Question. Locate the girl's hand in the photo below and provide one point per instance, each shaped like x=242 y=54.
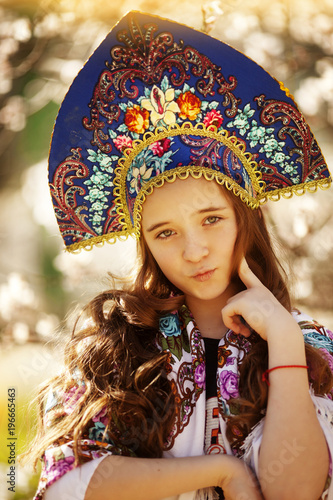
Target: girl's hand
x=254 y=308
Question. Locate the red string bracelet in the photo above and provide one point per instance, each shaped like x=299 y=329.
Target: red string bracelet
x=266 y=372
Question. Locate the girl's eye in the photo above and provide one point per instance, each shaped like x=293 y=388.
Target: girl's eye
x=212 y=219
x=165 y=234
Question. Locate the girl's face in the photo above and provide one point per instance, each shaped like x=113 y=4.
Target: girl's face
x=190 y=228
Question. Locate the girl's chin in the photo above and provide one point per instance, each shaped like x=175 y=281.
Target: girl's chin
x=209 y=295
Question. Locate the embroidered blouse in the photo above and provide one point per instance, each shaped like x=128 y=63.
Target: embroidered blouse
x=195 y=431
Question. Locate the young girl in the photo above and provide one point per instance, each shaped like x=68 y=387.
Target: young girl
x=198 y=380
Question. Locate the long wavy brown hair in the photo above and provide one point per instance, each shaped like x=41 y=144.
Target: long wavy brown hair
x=117 y=358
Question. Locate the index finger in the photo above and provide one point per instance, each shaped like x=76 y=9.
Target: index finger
x=247 y=276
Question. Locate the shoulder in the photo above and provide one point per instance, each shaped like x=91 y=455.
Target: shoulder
x=307 y=323
x=314 y=333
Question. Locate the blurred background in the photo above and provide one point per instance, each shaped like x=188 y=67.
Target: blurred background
x=42 y=47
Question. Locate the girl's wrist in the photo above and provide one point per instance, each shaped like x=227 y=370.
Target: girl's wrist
x=228 y=468
x=285 y=345
x=265 y=375
x=237 y=480
x=284 y=329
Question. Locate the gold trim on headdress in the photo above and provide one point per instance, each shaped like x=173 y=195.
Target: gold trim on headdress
x=183 y=172
x=186 y=128
x=251 y=136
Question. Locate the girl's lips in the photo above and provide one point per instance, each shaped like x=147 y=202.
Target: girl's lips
x=205 y=276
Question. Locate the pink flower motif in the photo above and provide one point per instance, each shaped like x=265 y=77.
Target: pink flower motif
x=230 y=360
x=72 y=396
x=123 y=142
x=101 y=417
x=200 y=375
x=160 y=147
x=213 y=118
x=229 y=385
x=60 y=467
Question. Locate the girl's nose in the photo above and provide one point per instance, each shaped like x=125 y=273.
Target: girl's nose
x=194 y=249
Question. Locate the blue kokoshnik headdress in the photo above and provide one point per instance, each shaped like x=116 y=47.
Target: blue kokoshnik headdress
x=158 y=101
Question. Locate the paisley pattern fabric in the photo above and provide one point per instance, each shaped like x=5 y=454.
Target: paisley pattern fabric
x=156 y=101
x=186 y=370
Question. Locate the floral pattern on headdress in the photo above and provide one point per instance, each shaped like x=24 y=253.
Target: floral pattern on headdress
x=157 y=101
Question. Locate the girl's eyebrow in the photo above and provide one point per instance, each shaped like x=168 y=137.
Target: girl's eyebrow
x=211 y=209
x=201 y=211
x=156 y=226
